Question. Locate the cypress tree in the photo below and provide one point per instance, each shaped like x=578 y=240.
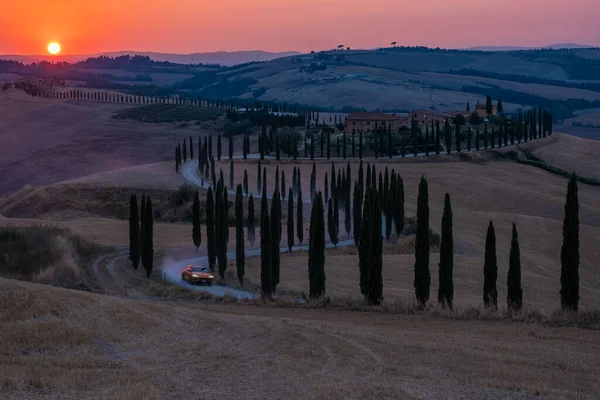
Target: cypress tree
x=485 y=137
x=277 y=148
x=330 y=222
x=337 y=146
x=477 y=139
x=363 y=244
x=245 y=182
x=283 y=184
x=251 y=221
x=219 y=145
x=422 y=274
x=142 y=221
x=457 y=138
x=437 y=138
x=514 y=296
x=388 y=204
x=357 y=212
x=446 y=266
x=277 y=178
x=230 y=148
x=347 y=210
x=299 y=214
x=333 y=184
x=265 y=254
x=344 y=144
x=259 y=181
x=328 y=145
x=290 y=219
x=264 y=179
x=399 y=204
x=184 y=151
x=210 y=229
x=360 y=145
x=316 y=249
x=326 y=184
x=275 y=237
x=176 y=158
x=240 y=257
x=191 y=148
x=221 y=242
x=134 y=232
x=374 y=256
x=196 y=235
x=490 y=270
x=148 y=238
x=569 y=253
x=231 y=174
x=469 y=134
x=322 y=143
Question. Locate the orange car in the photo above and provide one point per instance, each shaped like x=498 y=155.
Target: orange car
x=197 y=274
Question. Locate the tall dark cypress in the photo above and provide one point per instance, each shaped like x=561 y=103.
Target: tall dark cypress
x=469 y=135
x=148 y=238
x=422 y=274
x=283 y=185
x=485 y=136
x=221 y=241
x=240 y=256
x=333 y=183
x=191 y=148
x=360 y=144
x=245 y=182
x=316 y=249
x=251 y=221
x=357 y=212
x=134 y=232
x=399 y=204
x=490 y=270
x=219 y=147
x=347 y=210
x=477 y=139
x=437 y=137
x=275 y=237
x=374 y=256
x=446 y=266
x=299 y=214
x=457 y=138
x=569 y=253
x=230 y=148
x=266 y=277
x=264 y=180
x=388 y=202
x=290 y=219
x=210 y=229
x=196 y=235
x=231 y=185
x=176 y=158
x=259 y=179
x=326 y=185
x=514 y=296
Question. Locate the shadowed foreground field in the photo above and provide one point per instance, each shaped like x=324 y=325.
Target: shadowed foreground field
x=62 y=344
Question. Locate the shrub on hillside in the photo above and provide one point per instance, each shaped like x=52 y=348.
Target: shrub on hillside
x=44 y=254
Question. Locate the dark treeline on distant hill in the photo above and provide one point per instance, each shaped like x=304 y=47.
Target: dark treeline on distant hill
x=593 y=86
x=561 y=109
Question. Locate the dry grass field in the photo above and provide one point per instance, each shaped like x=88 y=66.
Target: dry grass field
x=62 y=344
x=46 y=141
x=573 y=154
x=501 y=191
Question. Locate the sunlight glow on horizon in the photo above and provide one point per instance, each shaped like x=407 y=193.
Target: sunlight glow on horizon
x=97 y=26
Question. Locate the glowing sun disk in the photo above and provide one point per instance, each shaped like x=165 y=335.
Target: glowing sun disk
x=54 y=48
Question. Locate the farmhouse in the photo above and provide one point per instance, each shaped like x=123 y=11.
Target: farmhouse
x=482 y=112
x=367 y=122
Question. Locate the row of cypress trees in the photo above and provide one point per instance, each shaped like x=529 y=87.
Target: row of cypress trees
x=529 y=125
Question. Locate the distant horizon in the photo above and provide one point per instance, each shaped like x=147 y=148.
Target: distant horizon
x=190 y=26
x=98 y=53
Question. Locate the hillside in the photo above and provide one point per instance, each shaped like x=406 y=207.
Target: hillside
x=74 y=345
x=412 y=78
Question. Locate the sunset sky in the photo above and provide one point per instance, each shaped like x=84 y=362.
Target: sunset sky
x=186 y=26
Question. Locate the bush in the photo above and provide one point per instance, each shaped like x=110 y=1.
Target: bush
x=44 y=254
x=169 y=113
x=185 y=193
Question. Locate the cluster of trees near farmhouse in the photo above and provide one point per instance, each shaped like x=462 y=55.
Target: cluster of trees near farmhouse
x=375 y=206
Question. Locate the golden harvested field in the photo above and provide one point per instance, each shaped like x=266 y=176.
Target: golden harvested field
x=62 y=344
x=79 y=138
x=573 y=154
x=501 y=191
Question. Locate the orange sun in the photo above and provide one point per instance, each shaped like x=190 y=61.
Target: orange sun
x=54 y=48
